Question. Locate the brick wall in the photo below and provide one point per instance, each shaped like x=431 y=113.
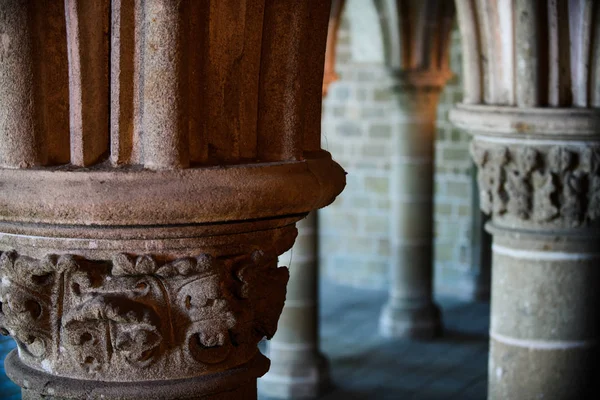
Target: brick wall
x=358 y=117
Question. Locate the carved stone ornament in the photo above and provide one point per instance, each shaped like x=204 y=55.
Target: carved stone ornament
x=543 y=184
x=139 y=315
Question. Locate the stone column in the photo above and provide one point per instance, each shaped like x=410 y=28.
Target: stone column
x=298 y=368
x=416 y=41
x=532 y=102
x=155 y=157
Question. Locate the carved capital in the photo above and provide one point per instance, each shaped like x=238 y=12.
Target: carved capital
x=538 y=168
x=139 y=315
x=555 y=185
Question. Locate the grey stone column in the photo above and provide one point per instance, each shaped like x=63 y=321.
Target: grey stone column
x=410 y=310
x=543 y=192
x=534 y=114
x=417 y=56
x=298 y=369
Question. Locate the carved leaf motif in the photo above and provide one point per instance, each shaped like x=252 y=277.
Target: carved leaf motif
x=479 y=154
x=519 y=196
x=572 y=208
x=500 y=156
x=135 y=328
x=560 y=159
x=594 y=198
x=137 y=313
x=204 y=263
x=25 y=294
x=544 y=189
x=124 y=264
x=264 y=286
x=527 y=160
x=560 y=183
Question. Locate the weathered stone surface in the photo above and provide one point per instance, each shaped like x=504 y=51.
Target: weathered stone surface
x=538 y=168
x=136 y=316
x=517 y=372
x=548 y=180
x=139 y=256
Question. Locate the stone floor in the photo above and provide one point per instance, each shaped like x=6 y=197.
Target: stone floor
x=365 y=366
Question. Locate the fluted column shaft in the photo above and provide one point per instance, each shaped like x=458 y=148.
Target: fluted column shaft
x=531 y=103
x=173 y=152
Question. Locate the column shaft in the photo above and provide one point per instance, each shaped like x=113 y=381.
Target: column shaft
x=416 y=38
x=298 y=369
x=410 y=310
x=543 y=335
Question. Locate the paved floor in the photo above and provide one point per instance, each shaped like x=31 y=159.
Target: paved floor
x=365 y=366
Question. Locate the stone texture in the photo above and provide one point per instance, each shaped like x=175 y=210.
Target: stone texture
x=140 y=258
x=537 y=180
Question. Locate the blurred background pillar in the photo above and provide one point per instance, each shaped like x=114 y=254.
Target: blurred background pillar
x=416 y=39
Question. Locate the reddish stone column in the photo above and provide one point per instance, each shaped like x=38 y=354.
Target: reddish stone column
x=169 y=149
x=416 y=42
x=532 y=103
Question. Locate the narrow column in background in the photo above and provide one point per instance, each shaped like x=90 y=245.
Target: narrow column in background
x=298 y=368
x=416 y=42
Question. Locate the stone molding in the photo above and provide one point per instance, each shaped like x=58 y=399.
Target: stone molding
x=527 y=123
x=243 y=378
x=139 y=315
x=195 y=195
